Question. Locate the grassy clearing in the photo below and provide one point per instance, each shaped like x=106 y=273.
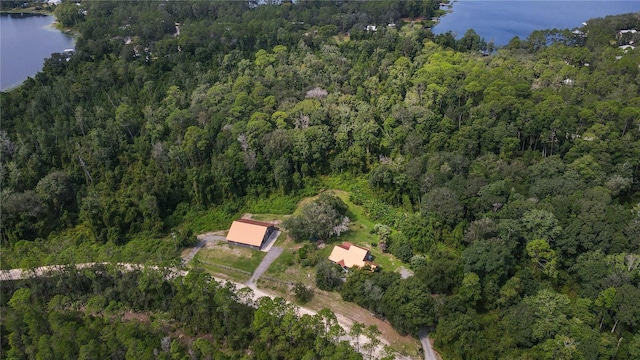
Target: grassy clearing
x=341 y=38
x=282 y=263
x=360 y=233
x=303 y=202
x=286 y=268
x=274 y=204
x=225 y=273
x=268 y=217
x=203 y=220
x=293 y=273
x=277 y=288
x=235 y=257
x=343 y=182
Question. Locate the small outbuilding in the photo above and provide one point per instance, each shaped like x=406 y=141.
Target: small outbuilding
x=348 y=255
x=250 y=233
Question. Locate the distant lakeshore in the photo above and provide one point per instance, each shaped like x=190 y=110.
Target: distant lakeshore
x=501 y=21
x=32 y=38
x=27 y=11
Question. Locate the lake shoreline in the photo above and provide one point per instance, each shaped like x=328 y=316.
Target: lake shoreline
x=500 y=21
x=27 y=12
x=32 y=43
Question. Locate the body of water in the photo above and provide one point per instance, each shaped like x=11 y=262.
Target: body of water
x=500 y=21
x=25 y=41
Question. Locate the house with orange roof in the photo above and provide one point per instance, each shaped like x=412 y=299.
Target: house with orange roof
x=348 y=255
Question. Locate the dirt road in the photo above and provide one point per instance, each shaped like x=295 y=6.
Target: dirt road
x=203 y=239
x=429 y=353
x=44 y=271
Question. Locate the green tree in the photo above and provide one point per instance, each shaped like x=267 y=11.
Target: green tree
x=460 y=333
x=540 y=224
x=626 y=308
x=470 y=41
x=444 y=270
x=543 y=257
x=550 y=312
x=444 y=203
x=489 y=257
x=22 y=215
x=320 y=219
x=470 y=290
x=373 y=336
x=604 y=303
x=56 y=189
x=328 y=276
x=407 y=307
x=68 y=14
x=302 y=293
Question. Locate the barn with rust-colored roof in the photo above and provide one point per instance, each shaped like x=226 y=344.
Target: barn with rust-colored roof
x=250 y=233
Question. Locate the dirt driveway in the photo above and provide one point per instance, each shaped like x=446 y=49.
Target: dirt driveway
x=203 y=240
x=271 y=256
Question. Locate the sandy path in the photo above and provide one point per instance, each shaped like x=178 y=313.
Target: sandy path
x=45 y=271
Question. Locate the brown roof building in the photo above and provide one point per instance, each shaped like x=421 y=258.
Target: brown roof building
x=348 y=255
x=250 y=233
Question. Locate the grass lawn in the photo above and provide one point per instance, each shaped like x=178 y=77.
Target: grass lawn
x=225 y=273
x=268 y=217
x=202 y=220
x=360 y=234
x=235 y=257
x=276 y=204
x=286 y=268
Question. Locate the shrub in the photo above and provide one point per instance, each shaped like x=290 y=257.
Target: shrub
x=328 y=276
x=302 y=293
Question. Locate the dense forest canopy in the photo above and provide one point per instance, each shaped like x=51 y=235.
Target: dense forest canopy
x=510 y=180
x=102 y=312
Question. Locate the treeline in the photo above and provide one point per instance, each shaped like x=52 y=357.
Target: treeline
x=102 y=312
x=509 y=181
x=10 y=5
